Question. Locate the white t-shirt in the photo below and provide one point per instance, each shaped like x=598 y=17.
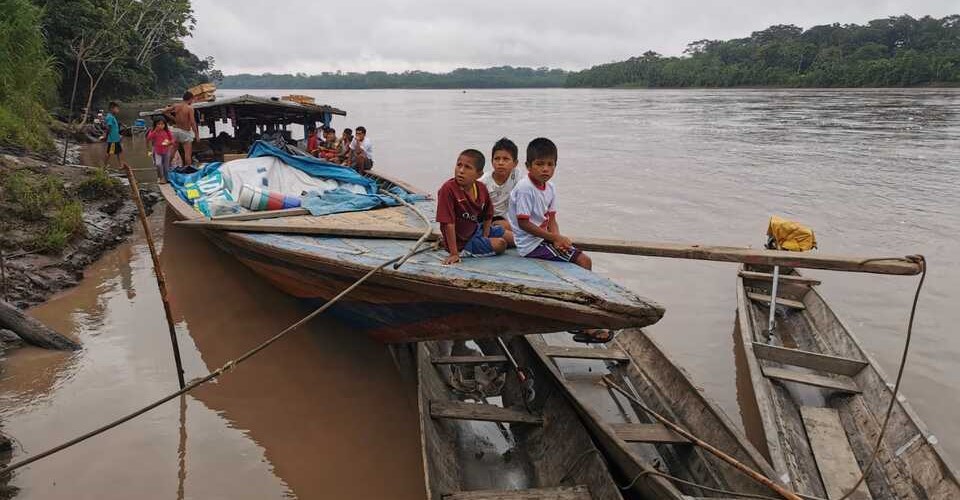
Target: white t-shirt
x=500 y=193
x=529 y=201
x=367 y=146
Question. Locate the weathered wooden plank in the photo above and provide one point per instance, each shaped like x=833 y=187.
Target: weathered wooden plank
x=809 y=260
x=844 y=384
x=807 y=359
x=831 y=449
x=317 y=227
x=608 y=353
x=488 y=413
x=759 y=297
x=784 y=278
x=467 y=360
x=264 y=214
x=578 y=492
x=648 y=433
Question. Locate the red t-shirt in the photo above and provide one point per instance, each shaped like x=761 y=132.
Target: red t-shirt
x=453 y=205
x=162 y=140
x=311 y=143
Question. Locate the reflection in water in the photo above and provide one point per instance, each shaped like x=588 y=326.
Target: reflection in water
x=320 y=415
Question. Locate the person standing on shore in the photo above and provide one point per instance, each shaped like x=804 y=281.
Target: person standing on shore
x=112 y=136
x=185 y=131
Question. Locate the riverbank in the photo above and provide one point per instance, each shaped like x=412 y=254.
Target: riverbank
x=57 y=220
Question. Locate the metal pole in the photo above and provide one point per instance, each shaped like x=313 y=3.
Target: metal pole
x=161 y=281
x=773 y=300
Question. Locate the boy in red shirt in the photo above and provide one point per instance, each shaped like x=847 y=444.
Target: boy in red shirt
x=465 y=212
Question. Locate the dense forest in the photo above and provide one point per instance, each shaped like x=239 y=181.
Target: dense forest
x=54 y=53
x=891 y=52
x=500 y=77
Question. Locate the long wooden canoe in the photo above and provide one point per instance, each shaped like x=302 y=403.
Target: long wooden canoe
x=822 y=399
x=630 y=438
x=504 y=295
x=515 y=450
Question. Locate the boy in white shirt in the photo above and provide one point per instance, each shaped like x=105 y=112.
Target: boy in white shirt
x=533 y=216
x=500 y=181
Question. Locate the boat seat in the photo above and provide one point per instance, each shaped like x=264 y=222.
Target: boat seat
x=807 y=359
x=467 y=360
x=606 y=353
x=793 y=304
x=648 y=433
x=783 y=278
x=459 y=410
x=839 y=383
x=831 y=450
x=578 y=492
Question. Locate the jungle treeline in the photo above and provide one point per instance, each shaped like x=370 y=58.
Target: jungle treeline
x=899 y=51
x=499 y=77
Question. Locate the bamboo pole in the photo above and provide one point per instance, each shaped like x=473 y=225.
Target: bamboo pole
x=756 y=256
x=756 y=476
x=161 y=280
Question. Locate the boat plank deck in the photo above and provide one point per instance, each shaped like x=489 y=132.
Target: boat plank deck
x=831 y=449
x=578 y=492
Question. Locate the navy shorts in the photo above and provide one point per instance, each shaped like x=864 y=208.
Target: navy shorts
x=478 y=246
x=547 y=251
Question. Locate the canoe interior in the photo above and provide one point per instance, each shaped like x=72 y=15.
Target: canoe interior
x=471 y=456
x=425 y=299
x=661 y=385
x=910 y=464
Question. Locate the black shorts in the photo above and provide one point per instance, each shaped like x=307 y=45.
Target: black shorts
x=114 y=148
x=498 y=218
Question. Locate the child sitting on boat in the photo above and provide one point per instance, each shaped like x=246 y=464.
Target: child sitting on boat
x=533 y=217
x=501 y=179
x=465 y=212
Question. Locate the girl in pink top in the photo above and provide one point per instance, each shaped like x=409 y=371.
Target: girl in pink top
x=163 y=147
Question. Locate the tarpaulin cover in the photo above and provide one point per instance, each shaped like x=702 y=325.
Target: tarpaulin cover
x=325 y=187
x=790 y=235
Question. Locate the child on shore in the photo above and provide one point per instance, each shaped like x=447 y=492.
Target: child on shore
x=162 y=140
x=112 y=136
x=533 y=217
x=501 y=180
x=464 y=212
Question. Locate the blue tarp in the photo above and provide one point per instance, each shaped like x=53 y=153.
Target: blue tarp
x=331 y=202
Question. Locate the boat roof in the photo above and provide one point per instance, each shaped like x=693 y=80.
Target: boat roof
x=266 y=108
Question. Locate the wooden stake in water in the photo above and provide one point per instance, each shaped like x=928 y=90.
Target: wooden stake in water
x=161 y=281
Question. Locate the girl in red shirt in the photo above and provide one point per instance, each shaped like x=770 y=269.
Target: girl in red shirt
x=163 y=146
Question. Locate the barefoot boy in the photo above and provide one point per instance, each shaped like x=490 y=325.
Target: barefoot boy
x=501 y=180
x=112 y=136
x=533 y=217
x=464 y=212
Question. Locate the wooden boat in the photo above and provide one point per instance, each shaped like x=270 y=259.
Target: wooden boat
x=640 y=448
x=424 y=299
x=518 y=451
x=822 y=399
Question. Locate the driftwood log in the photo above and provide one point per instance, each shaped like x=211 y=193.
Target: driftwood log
x=32 y=331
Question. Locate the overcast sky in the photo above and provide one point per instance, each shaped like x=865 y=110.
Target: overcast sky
x=254 y=36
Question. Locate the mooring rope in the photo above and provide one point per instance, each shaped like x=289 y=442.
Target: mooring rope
x=230 y=365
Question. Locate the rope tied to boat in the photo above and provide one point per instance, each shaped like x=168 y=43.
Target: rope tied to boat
x=230 y=365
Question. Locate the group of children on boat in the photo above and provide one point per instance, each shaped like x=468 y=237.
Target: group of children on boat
x=348 y=150
x=482 y=214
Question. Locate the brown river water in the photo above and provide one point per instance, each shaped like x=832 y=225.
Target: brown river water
x=323 y=414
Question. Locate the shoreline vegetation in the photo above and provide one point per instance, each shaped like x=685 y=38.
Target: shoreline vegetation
x=900 y=51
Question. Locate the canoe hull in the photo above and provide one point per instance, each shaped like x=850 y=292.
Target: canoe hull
x=910 y=464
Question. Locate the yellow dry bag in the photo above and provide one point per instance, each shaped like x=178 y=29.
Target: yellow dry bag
x=789 y=235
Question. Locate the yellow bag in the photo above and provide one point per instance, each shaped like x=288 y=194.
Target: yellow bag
x=789 y=235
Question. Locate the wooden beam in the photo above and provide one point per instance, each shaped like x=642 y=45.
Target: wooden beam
x=648 y=433
x=844 y=384
x=811 y=360
x=484 y=412
x=607 y=353
x=467 y=360
x=809 y=260
x=578 y=492
x=263 y=214
x=831 y=450
x=784 y=278
x=33 y=331
x=317 y=228
x=759 y=297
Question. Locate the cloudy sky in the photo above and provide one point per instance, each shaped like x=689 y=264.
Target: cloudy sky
x=292 y=36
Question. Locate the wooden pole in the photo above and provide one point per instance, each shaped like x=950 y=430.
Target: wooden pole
x=756 y=476
x=756 y=256
x=161 y=281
